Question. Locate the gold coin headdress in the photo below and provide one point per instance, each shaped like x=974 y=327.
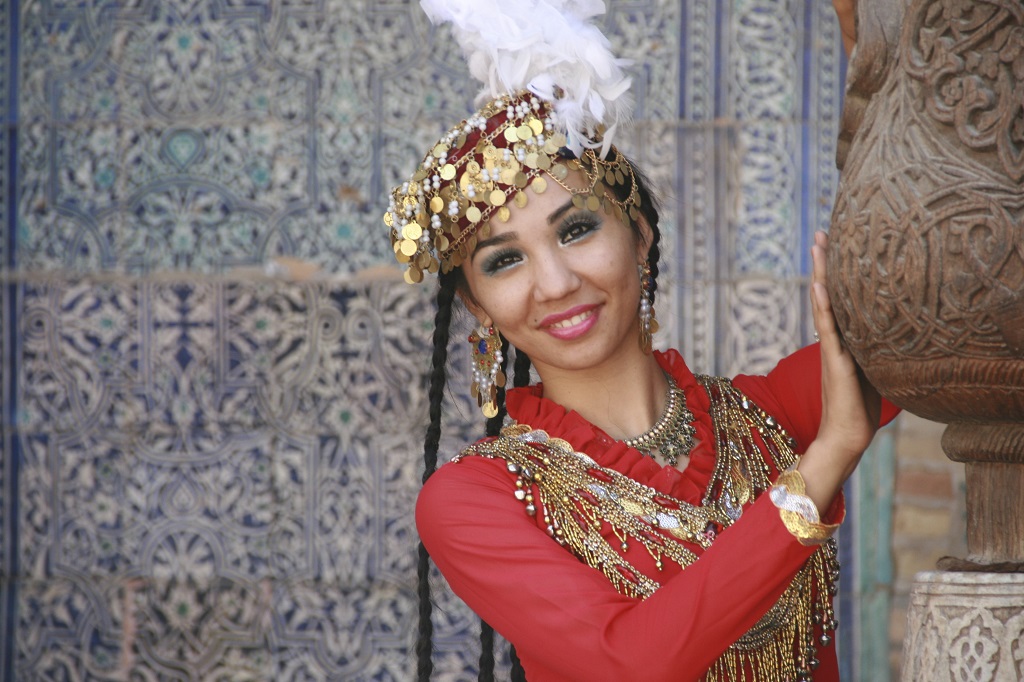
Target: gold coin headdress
x=555 y=96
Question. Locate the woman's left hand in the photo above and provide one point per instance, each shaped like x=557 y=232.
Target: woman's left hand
x=846 y=11
x=850 y=406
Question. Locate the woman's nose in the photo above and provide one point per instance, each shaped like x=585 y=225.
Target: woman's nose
x=555 y=278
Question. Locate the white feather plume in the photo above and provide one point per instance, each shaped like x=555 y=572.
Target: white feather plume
x=545 y=46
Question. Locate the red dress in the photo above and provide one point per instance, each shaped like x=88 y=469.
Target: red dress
x=564 y=617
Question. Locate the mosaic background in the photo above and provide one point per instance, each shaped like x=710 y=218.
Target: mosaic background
x=208 y=461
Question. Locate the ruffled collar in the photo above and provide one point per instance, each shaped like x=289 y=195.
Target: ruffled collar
x=528 y=406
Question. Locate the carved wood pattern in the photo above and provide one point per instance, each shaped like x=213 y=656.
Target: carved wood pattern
x=969 y=59
x=927 y=259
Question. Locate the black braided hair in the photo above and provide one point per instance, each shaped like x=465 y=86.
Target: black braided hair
x=522 y=369
x=649 y=210
x=438 y=377
x=486 y=653
x=518 y=674
x=424 y=643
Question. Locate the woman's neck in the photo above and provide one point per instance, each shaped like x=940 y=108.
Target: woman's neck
x=623 y=401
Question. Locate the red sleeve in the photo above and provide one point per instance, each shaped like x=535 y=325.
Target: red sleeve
x=792 y=393
x=565 y=617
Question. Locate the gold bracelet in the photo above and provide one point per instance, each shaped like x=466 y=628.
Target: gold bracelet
x=798 y=511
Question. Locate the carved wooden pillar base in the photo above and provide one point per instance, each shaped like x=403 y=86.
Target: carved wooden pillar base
x=995 y=512
x=994 y=455
x=965 y=626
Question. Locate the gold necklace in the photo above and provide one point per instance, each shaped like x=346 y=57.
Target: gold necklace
x=672 y=435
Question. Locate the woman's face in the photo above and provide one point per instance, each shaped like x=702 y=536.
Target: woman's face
x=560 y=283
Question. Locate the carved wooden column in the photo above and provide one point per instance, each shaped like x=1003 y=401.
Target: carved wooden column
x=926 y=271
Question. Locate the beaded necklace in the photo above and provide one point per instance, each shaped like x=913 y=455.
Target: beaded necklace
x=672 y=435
x=578 y=498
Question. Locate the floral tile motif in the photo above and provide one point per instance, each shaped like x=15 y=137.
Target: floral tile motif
x=183 y=365
x=326 y=631
x=198 y=627
x=68 y=628
x=184 y=627
x=195 y=404
x=168 y=431
x=199 y=137
x=88 y=506
x=213 y=629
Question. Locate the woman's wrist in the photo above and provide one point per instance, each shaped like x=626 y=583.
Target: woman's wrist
x=824 y=469
x=798 y=512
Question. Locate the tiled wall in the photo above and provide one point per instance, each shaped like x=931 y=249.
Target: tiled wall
x=208 y=470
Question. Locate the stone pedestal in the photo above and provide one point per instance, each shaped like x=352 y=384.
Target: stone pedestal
x=965 y=627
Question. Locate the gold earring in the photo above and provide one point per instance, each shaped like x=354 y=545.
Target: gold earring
x=648 y=321
x=485 y=346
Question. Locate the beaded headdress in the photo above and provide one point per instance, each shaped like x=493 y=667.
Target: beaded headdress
x=554 y=97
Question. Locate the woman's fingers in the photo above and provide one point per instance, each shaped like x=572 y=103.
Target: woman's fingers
x=821 y=305
x=850 y=406
x=828 y=330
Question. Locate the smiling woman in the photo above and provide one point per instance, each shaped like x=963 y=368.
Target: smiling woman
x=624 y=518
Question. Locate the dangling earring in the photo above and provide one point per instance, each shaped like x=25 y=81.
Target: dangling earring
x=648 y=322
x=485 y=345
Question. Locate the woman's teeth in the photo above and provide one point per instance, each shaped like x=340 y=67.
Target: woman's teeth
x=572 y=321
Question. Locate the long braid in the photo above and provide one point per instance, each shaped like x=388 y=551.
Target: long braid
x=518 y=674
x=522 y=369
x=486 y=653
x=424 y=643
x=652 y=259
x=649 y=210
x=438 y=376
x=442 y=327
x=486 y=631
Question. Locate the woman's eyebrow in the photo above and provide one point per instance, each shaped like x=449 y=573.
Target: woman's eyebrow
x=493 y=241
x=557 y=213
x=512 y=236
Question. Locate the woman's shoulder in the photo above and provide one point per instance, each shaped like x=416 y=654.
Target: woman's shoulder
x=467 y=497
x=464 y=478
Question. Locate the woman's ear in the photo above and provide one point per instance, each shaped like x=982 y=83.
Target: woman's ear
x=473 y=307
x=646 y=238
